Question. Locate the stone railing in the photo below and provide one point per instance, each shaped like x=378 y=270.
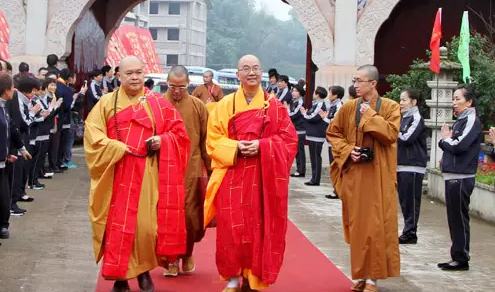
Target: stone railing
x=482 y=199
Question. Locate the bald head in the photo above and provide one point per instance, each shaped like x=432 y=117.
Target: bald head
x=178 y=71
x=370 y=71
x=249 y=59
x=131 y=75
x=132 y=61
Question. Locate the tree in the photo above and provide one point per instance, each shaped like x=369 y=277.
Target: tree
x=236 y=28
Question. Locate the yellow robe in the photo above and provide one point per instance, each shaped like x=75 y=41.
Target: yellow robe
x=102 y=154
x=223 y=153
x=195 y=117
x=368 y=190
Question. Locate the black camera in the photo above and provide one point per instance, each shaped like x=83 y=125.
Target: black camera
x=366 y=154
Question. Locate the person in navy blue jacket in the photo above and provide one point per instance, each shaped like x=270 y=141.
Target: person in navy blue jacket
x=336 y=95
x=316 y=130
x=299 y=122
x=8 y=133
x=411 y=163
x=65 y=92
x=284 y=93
x=461 y=148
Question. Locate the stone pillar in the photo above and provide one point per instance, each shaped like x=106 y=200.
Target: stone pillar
x=37 y=17
x=441 y=110
x=341 y=70
x=345 y=32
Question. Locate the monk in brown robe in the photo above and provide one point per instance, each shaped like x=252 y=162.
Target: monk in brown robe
x=137 y=150
x=364 y=136
x=195 y=116
x=208 y=92
x=252 y=143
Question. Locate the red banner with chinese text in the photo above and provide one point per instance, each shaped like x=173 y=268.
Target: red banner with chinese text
x=4 y=37
x=132 y=41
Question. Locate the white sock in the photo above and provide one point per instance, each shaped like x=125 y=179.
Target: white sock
x=25 y=197
x=371 y=282
x=233 y=282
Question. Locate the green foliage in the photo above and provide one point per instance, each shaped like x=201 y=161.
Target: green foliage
x=414 y=78
x=236 y=28
x=482 y=55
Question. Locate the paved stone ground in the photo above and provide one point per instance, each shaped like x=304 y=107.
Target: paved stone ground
x=51 y=250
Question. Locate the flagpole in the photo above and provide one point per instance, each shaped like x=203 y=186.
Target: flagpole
x=436 y=121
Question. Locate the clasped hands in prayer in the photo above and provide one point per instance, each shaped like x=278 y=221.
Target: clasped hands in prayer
x=446 y=132
x=156 y=143
x=249 y=148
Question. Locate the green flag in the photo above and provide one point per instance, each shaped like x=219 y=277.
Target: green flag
x=463 y=53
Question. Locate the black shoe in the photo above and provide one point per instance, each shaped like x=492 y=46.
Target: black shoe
x=4 y=233
x=408 y=239
x=297 y=174
x=454 y=266
x=16 y=211
x=310 y=183
x=55 y=170
x=26 y=199
x=36 y=186
x=332 y=196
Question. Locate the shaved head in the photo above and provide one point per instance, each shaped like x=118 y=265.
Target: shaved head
x=178 y=71
x=248 y=59
x=130 y=61
x=249 y=72
x=131 y=75
x=370 y=71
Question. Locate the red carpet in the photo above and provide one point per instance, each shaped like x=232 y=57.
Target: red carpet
x=305 y=269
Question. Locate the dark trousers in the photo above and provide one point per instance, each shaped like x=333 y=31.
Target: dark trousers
x=301 y=154
x=39 y=159
x=63 y=146
x=457 y=196
x=29 y=166
x=53 y=147
x=5 y=199
x=315 y=149
x=410 y=189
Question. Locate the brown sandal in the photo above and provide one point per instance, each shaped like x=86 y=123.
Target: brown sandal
x=370 y=288
x=359 y=286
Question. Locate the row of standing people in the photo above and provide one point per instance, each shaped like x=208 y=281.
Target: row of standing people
x=43 y=110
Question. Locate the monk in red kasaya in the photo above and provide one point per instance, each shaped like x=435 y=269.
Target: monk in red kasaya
x=252 y=144
x=137 y=150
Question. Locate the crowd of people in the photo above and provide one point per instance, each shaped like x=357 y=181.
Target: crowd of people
x=189 y=149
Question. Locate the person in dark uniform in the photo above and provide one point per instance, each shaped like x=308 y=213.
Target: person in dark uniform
x=298 y=120
x=411 y=159
x=284 y=94
x=8 y=133
x=316 y=130
x=336 y=95
x=461 y=148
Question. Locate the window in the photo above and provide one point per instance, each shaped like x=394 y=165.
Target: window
x=154 y=7
x=173 y=34
x=174 y=8
x=172 y=60
x=154 y=33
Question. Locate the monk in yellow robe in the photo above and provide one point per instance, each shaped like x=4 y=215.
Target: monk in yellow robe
x=364 y=136
x=252 y=143
x=137 y=150
x=195 y=117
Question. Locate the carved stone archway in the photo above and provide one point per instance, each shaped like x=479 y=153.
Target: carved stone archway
x=15 y=13
x=63 y=22
x=367 y=29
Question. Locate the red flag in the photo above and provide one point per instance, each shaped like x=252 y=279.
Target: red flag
x=436 y=35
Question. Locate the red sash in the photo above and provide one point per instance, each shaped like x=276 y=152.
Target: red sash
x=135 y=126
x=252 y=200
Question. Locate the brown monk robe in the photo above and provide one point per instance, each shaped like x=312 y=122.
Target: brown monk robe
x=368 y=189
x=208 y=92
x=195 y=117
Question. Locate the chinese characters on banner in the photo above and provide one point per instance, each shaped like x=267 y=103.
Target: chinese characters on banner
x=132 y=41
x=4 y=37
